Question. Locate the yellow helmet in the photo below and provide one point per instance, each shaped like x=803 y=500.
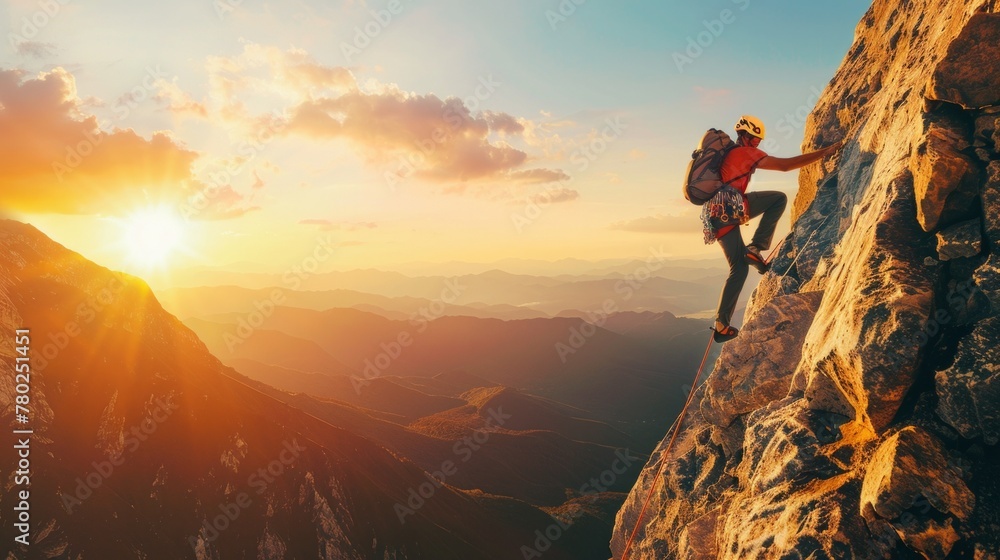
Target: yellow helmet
x=752 y=125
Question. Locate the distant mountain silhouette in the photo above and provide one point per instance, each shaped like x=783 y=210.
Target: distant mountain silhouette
x=577 y=401
x=204 y=301
x=636 y=287
x=631 y=381
x=126 y=362
x=521 y=457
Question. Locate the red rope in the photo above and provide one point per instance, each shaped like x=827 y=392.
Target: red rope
x=774 y=253
x=666 y=453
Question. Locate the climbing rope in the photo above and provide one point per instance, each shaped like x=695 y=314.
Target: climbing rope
x=666 y=452
x=806 y=244
x=776 y=250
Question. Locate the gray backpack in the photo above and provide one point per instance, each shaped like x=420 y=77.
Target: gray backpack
x=703 y=177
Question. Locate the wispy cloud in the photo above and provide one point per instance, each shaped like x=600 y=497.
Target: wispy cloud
x=226 y=203
x=179 y=101
x=35 y=49
x=449 y=142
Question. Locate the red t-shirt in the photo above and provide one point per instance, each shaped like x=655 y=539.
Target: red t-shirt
x=741 y=160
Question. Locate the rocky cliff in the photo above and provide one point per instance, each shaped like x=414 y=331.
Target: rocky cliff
x=858 y=414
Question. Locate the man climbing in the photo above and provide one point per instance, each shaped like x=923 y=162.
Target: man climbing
x=737 y=168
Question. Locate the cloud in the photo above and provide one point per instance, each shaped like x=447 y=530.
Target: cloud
x=439 y=140
x=260 y=69
x=225 y=203
x=538 y=176
x=178 y=101
x=258 y=182
x=35 y=49
x=684 y=223
x=503 y=123
x=56 y=158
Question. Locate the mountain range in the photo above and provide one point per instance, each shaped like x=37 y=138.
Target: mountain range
x=154 y=438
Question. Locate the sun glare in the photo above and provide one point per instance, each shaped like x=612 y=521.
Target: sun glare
x=151 y=235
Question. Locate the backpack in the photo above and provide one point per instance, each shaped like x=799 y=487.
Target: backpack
x=703 y=177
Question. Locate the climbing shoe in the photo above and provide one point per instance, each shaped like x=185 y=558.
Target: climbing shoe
x=725 y=334
x=756 y=260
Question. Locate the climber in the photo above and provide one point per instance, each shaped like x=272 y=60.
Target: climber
x=737 y=168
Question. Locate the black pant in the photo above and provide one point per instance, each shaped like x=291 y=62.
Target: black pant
x=772 y=205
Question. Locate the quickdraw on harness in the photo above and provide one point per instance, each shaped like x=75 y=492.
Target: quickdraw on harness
x=728 y=207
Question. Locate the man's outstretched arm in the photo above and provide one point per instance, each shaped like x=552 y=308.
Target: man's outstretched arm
x=792 y=163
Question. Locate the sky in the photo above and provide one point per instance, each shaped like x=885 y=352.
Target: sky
x=155 y=136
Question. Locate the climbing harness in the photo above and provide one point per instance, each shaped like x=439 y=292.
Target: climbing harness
x=728 y=207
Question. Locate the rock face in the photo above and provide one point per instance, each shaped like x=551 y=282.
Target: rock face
x=858 y=413
x=908 y=468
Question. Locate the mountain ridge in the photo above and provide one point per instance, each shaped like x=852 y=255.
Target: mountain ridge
x=99 y=493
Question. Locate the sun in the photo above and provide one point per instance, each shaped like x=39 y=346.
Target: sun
x=152 y=235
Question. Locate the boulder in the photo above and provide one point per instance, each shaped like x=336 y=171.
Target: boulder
x=964 y=239
x=991 y=204
x=862 y=352
x=988 y=133
x=907 y=477
x=970 y=73
x=944 y=179
x=697 y=540
x=782 y=445
x=759 y=370
x=796 y=501
x=965 y=303
x=983 y=552
x=969 y=391
x=987 y=279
